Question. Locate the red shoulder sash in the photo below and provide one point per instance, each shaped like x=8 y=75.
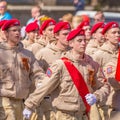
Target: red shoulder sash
x=78 y=80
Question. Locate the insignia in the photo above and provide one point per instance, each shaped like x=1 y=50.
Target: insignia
x=109 y=70
x=114 y=25
x=49 y=72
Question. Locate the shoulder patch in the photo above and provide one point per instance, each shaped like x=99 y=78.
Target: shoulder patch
x=49 y=72
x=109 y=69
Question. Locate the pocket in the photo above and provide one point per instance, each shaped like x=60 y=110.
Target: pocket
x=5 y=71
x=9 y=85
x=70 y=100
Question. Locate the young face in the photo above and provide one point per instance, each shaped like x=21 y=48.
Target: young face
x=99 y=18
x=87 y=32
x=113 y=35
x=48 y=32
x=13 y=35
x=78 y=44
x=33 y=35
x=99 y=36
x=62 y=36
x=35 y=12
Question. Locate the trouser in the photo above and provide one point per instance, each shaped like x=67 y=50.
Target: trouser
x=11 y=109
x=104 y=112
x=66 y=115
x=94 y=113
x=115 y=115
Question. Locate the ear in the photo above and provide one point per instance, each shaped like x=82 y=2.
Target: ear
x=56 y=35
x=71 y=42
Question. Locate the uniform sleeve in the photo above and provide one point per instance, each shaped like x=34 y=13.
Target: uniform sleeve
x=109 y=71
x=45 y=87
x=102 y=88
x=42 y=62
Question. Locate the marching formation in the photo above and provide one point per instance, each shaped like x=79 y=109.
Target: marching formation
x=59 y=70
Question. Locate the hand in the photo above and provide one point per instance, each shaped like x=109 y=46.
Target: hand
x=91 y=99
x=27 y=113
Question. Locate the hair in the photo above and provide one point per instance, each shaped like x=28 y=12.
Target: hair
x=100 y=12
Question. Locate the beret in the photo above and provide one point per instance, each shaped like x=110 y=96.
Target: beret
x=109 y=25
x=10 y=23
x=47 y=23
x=31 y=27
x=2 y=22
x=97 y=26
x=75 y=33
x=85 y=17
x=84 y=23
x=61 y=26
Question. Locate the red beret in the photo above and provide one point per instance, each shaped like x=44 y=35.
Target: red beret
x=61 y=26
x=109 y=26
x=85 y=18
x=74 y=33
x=47 y=23
x=2 y=22
x=10 y=23
x=84 y=23
x=31 y=27
x=97 y=26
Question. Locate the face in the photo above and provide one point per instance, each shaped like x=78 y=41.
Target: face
x=3 y=7
x=87 y=32
x=113 y=35
x=78 y=44
x=99 y=18
x=99 y=36
x=62 y=37
x=49 y=31
x=13 y=35
x=35 y=12
x=33 y=35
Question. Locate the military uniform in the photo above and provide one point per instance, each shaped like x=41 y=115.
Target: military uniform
x=18 y=68
x=48 y=55
x=114 y=98
x=92 y=47
x=65 y=97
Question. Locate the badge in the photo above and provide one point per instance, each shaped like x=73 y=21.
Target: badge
x=49 y=72
x=109 y=70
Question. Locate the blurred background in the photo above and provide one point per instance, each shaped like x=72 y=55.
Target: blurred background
x=21 y=9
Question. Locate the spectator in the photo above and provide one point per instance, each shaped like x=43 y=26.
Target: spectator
x=4 y=15
x=79 y=4
x=99 y=17
x=35 y=13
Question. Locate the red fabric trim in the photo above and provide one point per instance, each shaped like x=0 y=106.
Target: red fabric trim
x=78 y=81
x=117 y=75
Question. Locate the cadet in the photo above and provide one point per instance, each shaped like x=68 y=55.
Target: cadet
x=32 y=31
x=86 y=26
x=53 y=50
x=67 y=77
x=112 y=72
x=106 y=52
x=18 y=68
x=50 y=54
x=97 y=39
x=46 y=32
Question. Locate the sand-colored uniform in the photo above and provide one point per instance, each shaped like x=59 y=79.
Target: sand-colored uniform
x=114 y=98
x=65 y=97
x=103 y=56
x=92 y=47
x=46 y=57
x=18 y=68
